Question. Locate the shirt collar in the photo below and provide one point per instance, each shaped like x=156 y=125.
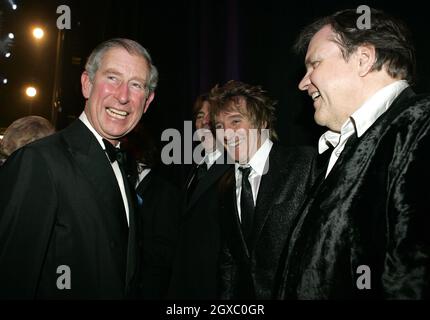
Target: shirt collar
x=211 y=157
x=361 y=120
x=259 y=159
x=84 y=119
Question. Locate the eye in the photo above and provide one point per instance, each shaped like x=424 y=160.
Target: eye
x=218 y=126
x=137 y=85
x=315 y=64
x=112 y=78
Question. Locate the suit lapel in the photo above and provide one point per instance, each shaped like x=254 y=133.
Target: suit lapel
x=144 y=184
x=268 y=193
x=95 y=168
x=134 y=230
x=213 y=174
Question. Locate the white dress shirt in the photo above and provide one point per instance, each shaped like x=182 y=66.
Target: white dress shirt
x=115 y=166
x=360 y=120
x=258 y=165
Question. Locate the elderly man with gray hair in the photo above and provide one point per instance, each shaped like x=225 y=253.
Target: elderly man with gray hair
x=68 y=228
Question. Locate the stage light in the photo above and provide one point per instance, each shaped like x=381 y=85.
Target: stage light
x=38 y=33
x=31 y=92
x=5 y=81
x=7 y=54
x=13 y=5
x=11 y=35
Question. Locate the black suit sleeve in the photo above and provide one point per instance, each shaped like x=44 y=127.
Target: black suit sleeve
x=160 y=213
x=27 y=215
x=407 y=263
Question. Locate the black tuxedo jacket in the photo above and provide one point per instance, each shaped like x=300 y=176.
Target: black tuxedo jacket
x=368 y=222
x=160 y=210
x=253 y=272
x=60 y=204
x=195 y=267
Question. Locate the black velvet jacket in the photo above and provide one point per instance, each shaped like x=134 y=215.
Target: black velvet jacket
x=373 y=210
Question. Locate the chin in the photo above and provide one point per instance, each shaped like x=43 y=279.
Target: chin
x=318 y=120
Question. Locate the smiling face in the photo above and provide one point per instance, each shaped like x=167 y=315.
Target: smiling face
x=117 y=96
x=202 y=117
x=240 y=136
x=203 y=127
x=333 y=83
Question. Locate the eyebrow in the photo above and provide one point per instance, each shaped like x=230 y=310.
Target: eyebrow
x=115 y=72
x=309 y=61
x=236 y=115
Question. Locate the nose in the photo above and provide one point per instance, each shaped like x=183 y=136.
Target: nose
x=228 y=133
x=206 y=119
x=122 y=93
x=304 y=83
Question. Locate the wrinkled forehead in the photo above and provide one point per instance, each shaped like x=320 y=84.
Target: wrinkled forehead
x=121 y=60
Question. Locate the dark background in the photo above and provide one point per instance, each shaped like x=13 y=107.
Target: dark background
x=194 y=44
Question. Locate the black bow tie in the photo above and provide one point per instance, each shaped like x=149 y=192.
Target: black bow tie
x=114 y=154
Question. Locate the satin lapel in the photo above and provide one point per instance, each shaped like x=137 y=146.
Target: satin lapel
x=268 y=194
x=213 y=174
x=134 y=230
x=95 y=167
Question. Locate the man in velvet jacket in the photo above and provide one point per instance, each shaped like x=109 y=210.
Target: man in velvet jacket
x=263 y=192
x=364 y=230
x=68 y=229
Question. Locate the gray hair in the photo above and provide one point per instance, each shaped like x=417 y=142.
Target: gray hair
x=132 y=47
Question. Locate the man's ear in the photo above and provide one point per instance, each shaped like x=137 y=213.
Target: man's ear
x=148 y=101
x=366 y=58
x=86 y=84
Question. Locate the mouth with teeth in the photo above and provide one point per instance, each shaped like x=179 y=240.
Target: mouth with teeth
x=117 y=114
x=233 y=143
x=315 y=95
